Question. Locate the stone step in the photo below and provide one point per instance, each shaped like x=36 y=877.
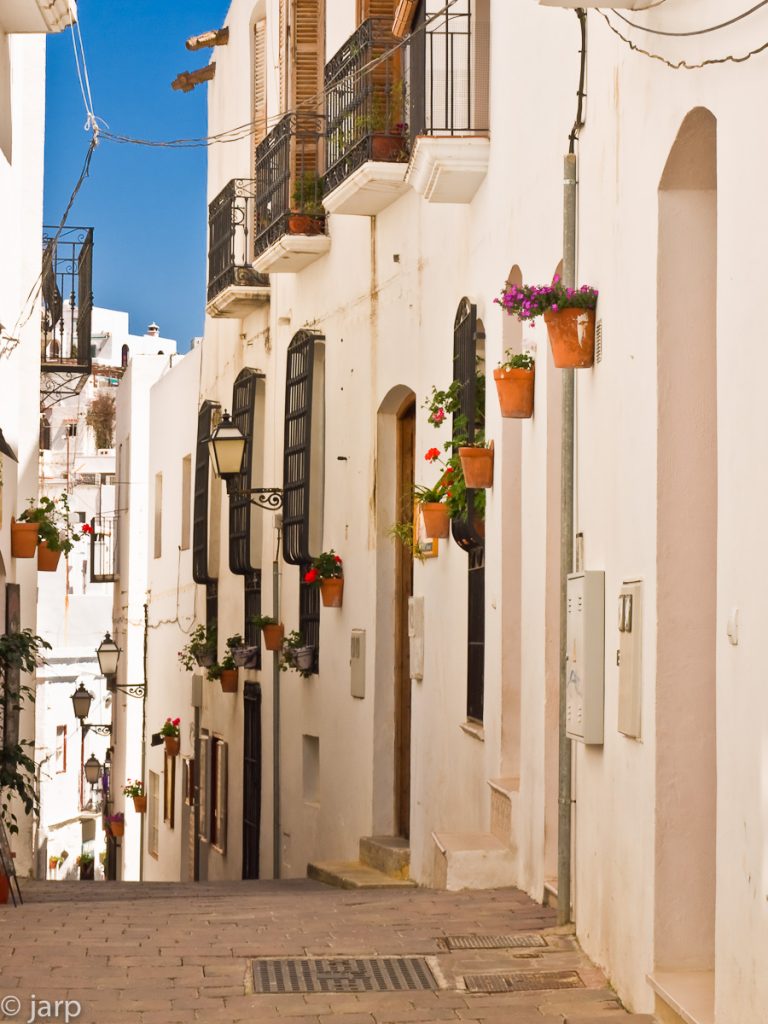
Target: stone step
x=390 y=854
x=472 y=860
x=351 y=874
x=550 y=893
x=504 y=796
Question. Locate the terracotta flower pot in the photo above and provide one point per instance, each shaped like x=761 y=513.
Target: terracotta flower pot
x=436 y=521
x=47 y=560
x=172 y=745
x=117 y=828
x=387 y=147
x=140 y=804
x=273 y=636
x=515 y=390
x=228 y=680
x=477 y=466
x=332 y=591
x=304 y=224
x=5 y=889
x=571 y=337
x=23 y=539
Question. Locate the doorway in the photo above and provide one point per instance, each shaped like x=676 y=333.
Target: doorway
x=406 y=442
x=251 y=779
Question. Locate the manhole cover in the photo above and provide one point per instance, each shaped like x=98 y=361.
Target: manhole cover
x=386 y=974
x=530 y=981
x=492 y=941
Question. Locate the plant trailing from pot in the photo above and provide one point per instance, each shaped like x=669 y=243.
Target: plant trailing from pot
x=569 y=314
x=244 y=655
x=56 y=532
x=226 y=670
x=514 y=378
x=116 y=824
x=307 y=215
x=170 y=732
x=273 y=631
x=201 y=648
x=433 y=500
x=327 y=572
x=135 y=790
x=297 y=655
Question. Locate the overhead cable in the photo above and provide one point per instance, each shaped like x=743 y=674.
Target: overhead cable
x=695 y=32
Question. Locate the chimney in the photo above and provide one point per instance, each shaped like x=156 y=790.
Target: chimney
x=153 y=331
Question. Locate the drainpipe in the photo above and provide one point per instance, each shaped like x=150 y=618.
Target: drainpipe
x=144 y=739
x=276 y=710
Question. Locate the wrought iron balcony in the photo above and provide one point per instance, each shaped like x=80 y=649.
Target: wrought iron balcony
x=365 y=108
x=65 y=336
x=234 y=287
x=290 y=218
x=104 y=549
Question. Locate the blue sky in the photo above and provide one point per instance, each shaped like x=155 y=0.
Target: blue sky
x=147 y=206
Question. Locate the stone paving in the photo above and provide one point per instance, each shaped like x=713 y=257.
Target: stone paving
x=171 y=953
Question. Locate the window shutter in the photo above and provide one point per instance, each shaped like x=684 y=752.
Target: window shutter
x=221 y=795
x=465 y=371
x=376 y=9
x=200 y=567
x=243 y=404
x=297 y=448
x=260 y=80
x=403 y=19
x=308 y=53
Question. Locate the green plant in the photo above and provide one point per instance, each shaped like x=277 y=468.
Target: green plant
x=326 y=566
x=517 y=361
x=402 y=532
x=170 y=727
x=308 y=194
x=293 y=642
x=527 y=301
x=54 y=523
x=260 y=621
x=101 y=419
x=22 y=651
x=84 y=860
x=133 y=788
x=200 y=649
x=228 y=661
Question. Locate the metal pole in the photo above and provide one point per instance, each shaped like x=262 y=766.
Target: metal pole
x=276 y=711
x=566 y=556
x=144 y=738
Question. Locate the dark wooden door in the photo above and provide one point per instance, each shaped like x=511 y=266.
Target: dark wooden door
x=251 y=779
x=406 y=439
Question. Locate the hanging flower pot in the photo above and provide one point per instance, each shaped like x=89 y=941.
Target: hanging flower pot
x=304 y=658
x=515 y=390
x=245 y=656
x=228 y=680
x=273 y=636
x=117 y=828
x=571 y=337
x=140 y=804
x=477 y=466
x=172 y=745
x=436 y=521
x=47 y=559
x=332 y=591
x=23 y=539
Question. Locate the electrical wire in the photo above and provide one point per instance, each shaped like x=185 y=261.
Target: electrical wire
x=683 y=65
x=695 y=32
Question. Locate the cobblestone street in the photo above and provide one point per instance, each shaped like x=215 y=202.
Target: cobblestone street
x=166 y=954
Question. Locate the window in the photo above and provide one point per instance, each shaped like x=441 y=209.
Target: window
x=60 y=757
x=188 y=781
x=153 y=808
x=311 y=769
x=169 y=790
x=200 y=562
x=124 y=353
x=218 y=793
x=204 y=784
x=186 y=495
x=107 y=479
x=72 y=429
x=158 y=515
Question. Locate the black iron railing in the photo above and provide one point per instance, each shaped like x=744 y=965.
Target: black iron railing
x=289 y=188
x=104 y=548
x=365 y=102
x=449 y=64
x=230 y=238
x=67 y=283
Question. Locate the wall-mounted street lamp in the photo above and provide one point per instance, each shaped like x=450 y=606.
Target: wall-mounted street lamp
x=81 y=703
x=108 y=654
x=92 y=770
x=226 y=448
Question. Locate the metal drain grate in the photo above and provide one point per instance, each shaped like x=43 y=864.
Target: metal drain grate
x=530 y=981
x=492 y=941
x=386 y=974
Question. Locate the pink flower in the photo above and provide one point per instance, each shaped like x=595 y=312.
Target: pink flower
x=438 y=415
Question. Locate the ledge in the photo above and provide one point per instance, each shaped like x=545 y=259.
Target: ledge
x=610 y=5
x=689 y=994
x=368 y=190
x=291 y=253
x=449 y=169
x=37 y=15
x=474 y=729
x=237 y=301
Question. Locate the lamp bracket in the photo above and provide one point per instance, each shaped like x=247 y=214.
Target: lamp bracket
x=133 y=690
x=100 y=730
x=268 y=498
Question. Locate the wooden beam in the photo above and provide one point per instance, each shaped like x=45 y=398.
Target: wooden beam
x=216 y=37
x=187 y=80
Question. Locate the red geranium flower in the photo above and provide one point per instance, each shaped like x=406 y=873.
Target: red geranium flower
x=177 y=721
x=87 y=528
x=310 y=575
x=338 y=559
x=432 y=454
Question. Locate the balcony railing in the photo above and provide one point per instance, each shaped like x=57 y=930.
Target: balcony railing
x=449 y=64
x=67 y=281
x=230 y=238
x=365 y=103
x=104 y=549
x=289 y=189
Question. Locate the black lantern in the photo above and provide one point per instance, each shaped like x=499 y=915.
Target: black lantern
x=226 y=447
x=81 y=702
x=92 y=769
x=108 y=654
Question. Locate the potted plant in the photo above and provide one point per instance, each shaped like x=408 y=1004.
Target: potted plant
x=53 y=863
x=170 y=733
x=327 y=573
x=226 y=671
x=434 y=510
x=297 y=655
x=514 y=378
x=273 y=631
x=24 y=538
x=55 y=532
x=135 y=790
x=244 y=655
x=569 y=314
x=477 y=463
x=116 y=824
x=201 y=649
x=307 y=215
x=85 y=863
